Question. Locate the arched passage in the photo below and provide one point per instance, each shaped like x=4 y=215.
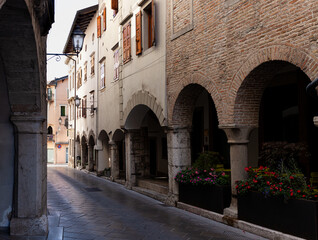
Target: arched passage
x=146 y=145
x=119 y=154
x=273 y=98
x=84 y=152
x=194 y=129
x=91 y=154
x=103 y=152
x=7 y=154
x=195 y=110
x=22 y=60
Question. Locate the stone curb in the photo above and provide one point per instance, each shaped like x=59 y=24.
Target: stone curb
x=245 y=226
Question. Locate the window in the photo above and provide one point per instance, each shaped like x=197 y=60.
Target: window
x=114 y=6
x=93 y=37
x=84 y=105
x=49 y=94
x=79 y=110
x=93 y=64
x=138 y=33
x=50 y=130
x=79 y=78
x=85 y=71
x=102 y=75
x=149 y=25
x=63 y=111
x=126 y=43
x=99 y=30
x=91 y=101
x=104 y=19
x=116 y=64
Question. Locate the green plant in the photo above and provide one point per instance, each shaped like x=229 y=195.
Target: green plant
x=282 y=156
x=271 y=184
x=208 y=160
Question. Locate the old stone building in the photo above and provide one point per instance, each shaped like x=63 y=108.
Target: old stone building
x=237 y=73
x=23 y=29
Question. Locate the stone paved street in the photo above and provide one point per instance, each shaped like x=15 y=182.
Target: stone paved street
x=83 y=206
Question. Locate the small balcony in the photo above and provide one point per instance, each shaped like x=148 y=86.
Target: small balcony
x=50 y=137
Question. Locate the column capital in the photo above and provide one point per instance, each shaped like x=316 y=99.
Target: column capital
x=28 y=124
x=237 y=134
x=178 y=129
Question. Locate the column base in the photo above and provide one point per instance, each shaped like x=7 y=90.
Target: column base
x=231 y=212
x=29 y=226
x=171 y=199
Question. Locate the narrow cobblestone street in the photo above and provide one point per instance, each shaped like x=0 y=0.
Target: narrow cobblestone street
x=82 y=206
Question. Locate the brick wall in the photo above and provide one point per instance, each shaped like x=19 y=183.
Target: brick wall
x=230 y=39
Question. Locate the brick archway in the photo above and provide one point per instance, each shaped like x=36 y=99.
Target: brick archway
x=242 y=85
x=196 y=79
x=145 y=98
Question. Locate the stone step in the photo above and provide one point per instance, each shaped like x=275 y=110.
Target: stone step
x=161 y=188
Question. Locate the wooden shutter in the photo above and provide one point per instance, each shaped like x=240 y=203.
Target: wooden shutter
x=114 y=5
x=124 y=43
x=128 y=41
x=153 y=22
x=99 y=32
x=104 y=19
x=138 y=34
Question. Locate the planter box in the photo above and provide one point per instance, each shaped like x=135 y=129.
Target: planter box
x=214 y=198
x=298 y=217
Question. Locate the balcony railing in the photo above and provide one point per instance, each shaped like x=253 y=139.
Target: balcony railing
x=50 y=137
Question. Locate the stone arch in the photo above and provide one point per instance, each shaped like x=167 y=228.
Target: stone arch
x=103 y=151
x=184 y=105
x=91 y=134
x=118 y=135
x=241 y=81
x=103 y=135
x=145 y=98
x=23 y=55
x=23 y=27
x=198 y=79
x=83 y=137
x=49 y=130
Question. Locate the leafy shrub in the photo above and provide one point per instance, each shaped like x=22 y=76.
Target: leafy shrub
x=282 y=156
x=208 y=160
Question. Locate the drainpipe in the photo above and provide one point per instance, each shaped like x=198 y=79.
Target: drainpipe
x=311 y=91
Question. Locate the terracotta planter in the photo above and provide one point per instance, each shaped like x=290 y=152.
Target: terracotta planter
x=297 y=217
x=211 y=197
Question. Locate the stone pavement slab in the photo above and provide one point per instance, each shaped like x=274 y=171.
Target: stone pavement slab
x=92 y=208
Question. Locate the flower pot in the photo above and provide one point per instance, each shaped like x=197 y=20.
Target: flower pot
x=297 y=217
x=211 y=197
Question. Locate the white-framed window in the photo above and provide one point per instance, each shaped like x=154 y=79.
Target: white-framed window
x=116 y=64
x=92 y=64
x=102 y=75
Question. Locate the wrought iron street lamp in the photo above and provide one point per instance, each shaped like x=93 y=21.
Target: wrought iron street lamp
x=77 y=39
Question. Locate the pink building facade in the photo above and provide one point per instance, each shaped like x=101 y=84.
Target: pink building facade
x=57 y=142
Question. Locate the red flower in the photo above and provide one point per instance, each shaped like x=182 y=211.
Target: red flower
x=246 y=169
x=291 y=177
x=291 y=194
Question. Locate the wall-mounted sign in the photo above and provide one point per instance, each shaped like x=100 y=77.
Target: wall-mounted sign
x=59 y=146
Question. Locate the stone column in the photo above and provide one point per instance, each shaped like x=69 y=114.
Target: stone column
x=30 y=212
x=114 y=160
x=130 y=159
x=90 y=158
x=179 y=158
x=238 y=138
